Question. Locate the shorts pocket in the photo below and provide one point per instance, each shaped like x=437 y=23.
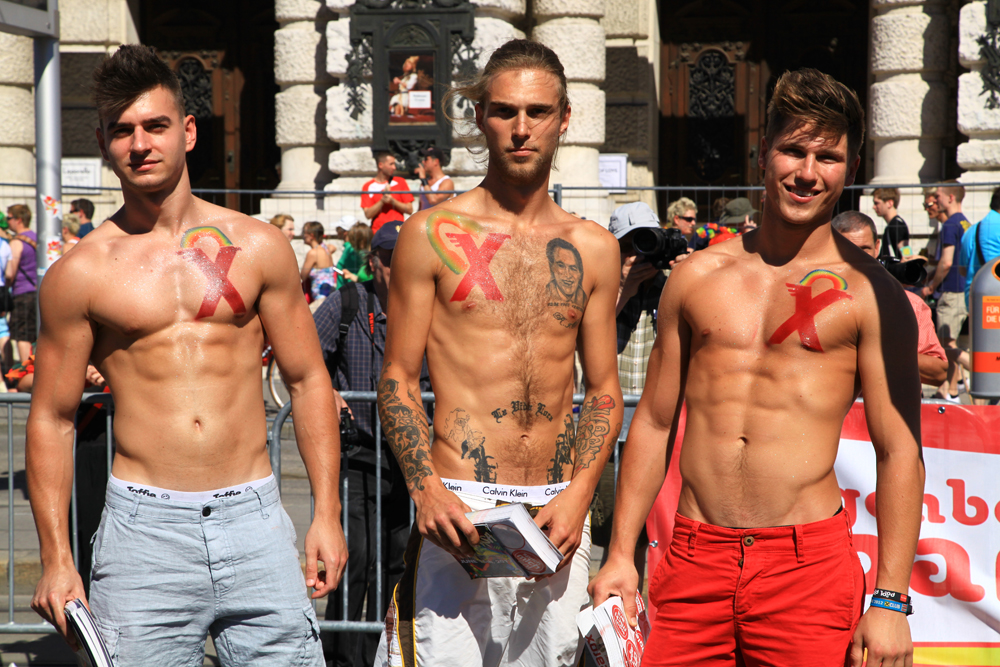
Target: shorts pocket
x=311 y=649
x=112 y=638
x=101 y=538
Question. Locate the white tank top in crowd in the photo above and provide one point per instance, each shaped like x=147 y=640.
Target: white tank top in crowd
x=424 y=202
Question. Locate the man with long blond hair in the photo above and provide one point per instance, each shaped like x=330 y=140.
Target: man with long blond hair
x=761 y=568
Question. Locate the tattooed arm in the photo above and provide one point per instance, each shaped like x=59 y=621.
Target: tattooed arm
x=440 y=515
x=601 y=414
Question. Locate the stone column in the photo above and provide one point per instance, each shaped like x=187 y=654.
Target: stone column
x=572 y=29
x=17 y=108
x=981 y=154
x=908 y=99
x=300 y=113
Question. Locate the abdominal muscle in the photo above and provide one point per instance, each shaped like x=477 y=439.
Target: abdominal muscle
x=189 y=411
x=759 y=446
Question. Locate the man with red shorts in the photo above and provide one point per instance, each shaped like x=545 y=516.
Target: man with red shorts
x=761 y=569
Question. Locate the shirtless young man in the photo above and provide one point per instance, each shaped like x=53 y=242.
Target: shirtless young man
x=500 y=285
x=171 y=299
x=761 y=569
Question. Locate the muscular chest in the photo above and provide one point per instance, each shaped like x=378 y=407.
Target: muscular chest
x=798 y=312
x=156 y=286
x=522 y=284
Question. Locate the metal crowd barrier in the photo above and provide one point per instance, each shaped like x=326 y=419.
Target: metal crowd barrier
x=274 y=451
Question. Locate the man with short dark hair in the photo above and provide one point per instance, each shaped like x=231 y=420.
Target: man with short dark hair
x=766 y=340
x=947 y=284
x=84 y=208
x=432 y=178
x=896 y=235
x=170 y=299
x=22 y=275
x=860 y=230
x=379 y=203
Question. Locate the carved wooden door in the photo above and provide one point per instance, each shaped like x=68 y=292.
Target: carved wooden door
x=212 y=96
x=714 y=112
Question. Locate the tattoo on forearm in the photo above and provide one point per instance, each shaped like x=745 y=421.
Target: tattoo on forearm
x=406 y=430
x=806 y=308
x=564 y=451
x=565 y=291
x=593 y=429
x=476 y=263
x=473 y=444
x=538 y=410
x=216 y=273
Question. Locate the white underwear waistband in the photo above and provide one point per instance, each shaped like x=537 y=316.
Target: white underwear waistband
x=189 y=496
x=536 y=495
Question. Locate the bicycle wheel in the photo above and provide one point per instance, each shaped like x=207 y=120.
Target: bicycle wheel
x=279 y=392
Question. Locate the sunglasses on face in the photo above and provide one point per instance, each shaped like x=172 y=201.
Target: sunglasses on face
x=691 y=219
x=928 y=207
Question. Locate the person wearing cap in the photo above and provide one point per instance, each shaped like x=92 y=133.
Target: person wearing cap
x=737 y=217
x=365 y=345
x=432 y=178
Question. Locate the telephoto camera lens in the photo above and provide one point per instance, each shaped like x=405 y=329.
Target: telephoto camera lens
x=348 y=431
x=659 y=246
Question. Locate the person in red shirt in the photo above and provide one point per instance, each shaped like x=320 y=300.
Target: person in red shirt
x=378 y=204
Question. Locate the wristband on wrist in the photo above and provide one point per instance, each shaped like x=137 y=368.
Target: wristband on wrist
x=885 y=599
x=424 y=181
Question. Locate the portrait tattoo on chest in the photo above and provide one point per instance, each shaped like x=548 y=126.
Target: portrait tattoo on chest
x=473 y=263
x=807 y=306
x=216 y=273
x=564 y=292
x=564 y=451
x=473 y=444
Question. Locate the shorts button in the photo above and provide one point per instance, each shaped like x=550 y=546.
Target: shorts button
x=748 y=540
x=207 y=511
x=741 y=562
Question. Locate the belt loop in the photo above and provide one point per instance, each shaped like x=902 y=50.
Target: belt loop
x=693 y=537
x=800 y=553
x=135 y=510
x=263 y=510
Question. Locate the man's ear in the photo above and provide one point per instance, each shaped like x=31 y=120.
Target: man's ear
x=101 y=146
x=479 y=116
x=564 y=123
x=852 y=171
x=762 y=153
x=190 y=133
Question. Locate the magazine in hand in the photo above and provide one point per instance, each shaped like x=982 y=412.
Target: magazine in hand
x=510 y=545
x=610 y=640
x=92 y=651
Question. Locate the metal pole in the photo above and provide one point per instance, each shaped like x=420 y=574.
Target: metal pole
x=557 y=194
x=48 y=145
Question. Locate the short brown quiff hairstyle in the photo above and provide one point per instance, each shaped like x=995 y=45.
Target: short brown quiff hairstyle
x=809 y=96
x=954 y=188
x=887 y=194
x=134 y=69
x=515 y=54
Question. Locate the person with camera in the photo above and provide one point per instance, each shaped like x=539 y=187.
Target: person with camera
x=860 y=230
x=642 y=280
x=351 y=323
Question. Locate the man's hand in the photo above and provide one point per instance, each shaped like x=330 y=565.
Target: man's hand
x=635 y=271
x=58 y=585
x=926 y=291
x=94 y=377
x=386 y=199
x=325 y=542
x=617 y=577
x=440 y=517
x=421 y=172
x=679 y=258
x=339 y=401
x=886 y=636
x=562 y=520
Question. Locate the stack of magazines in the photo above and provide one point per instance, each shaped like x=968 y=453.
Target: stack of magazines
x=92 y=651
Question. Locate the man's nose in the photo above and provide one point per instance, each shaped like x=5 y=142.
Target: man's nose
x=807 y=168
x=140 y=140
x=521 y=128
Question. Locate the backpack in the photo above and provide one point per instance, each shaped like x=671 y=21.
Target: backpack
x=349 y=308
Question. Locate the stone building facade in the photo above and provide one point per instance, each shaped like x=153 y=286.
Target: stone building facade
x=928 y=117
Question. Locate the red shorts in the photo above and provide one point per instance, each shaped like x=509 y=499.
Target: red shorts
x=756 y=596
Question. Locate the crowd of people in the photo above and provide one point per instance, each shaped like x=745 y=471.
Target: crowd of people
x=496 y=295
